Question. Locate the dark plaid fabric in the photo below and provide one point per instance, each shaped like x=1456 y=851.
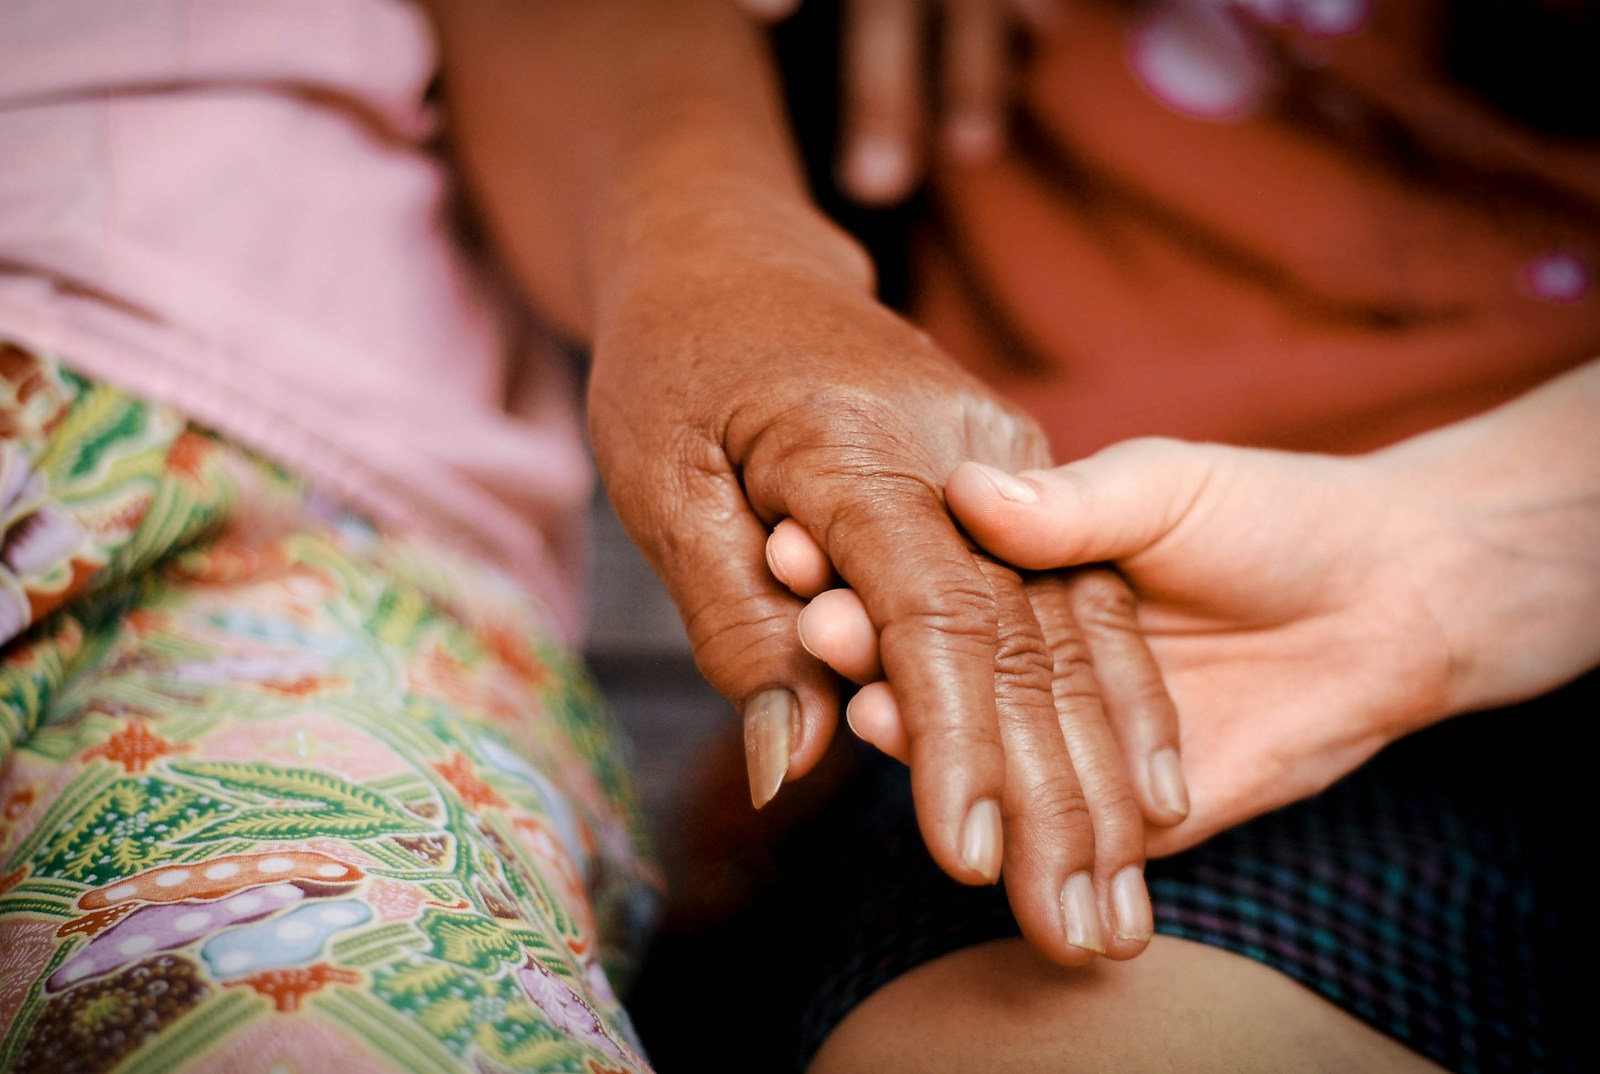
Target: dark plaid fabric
x=1430 y=894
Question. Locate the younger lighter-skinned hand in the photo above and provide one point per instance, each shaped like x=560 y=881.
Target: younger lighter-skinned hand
x=1275 y=591
x=733 y=388
x=1280 y=594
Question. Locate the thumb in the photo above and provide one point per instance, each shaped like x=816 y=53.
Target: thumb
x=742 y=623
x=1113 y=505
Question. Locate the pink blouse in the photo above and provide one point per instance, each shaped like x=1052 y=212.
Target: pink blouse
x=233 y=206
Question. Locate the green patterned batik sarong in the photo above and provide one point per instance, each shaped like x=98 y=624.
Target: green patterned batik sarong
x=280 y=791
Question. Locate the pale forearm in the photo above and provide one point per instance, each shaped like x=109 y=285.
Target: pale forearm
x=1508 y=538
x=596 y=133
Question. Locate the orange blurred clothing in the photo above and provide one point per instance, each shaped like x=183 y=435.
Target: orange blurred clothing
x=1276 y=223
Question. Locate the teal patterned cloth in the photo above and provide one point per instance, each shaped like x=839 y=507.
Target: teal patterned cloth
x=280 y=791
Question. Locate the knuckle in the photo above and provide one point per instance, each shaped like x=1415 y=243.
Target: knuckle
x=869 y=498
x=1058 y=806
x=1118 y=809
x=989 y=419
x=1022 y=661
x=1075 y=686
x=958 y=615
x=1077 y=696
x=1023 y=655
x=963 y=741
x=844 y=482
x=728 y=637
x=1072 y=661
x=1102 y=601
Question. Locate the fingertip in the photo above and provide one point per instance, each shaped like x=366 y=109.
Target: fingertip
x=787 y=729
x=1169 y=792
x=877 y=170
x=974 y=482
x=819 y=715
x=1035 y=519
x=874 y=717
x=1132 y=918
x=976 y=81
x=834 y=628
x=1207 y=816
x=771 y=725
x=796 y=560
x=1004 y=513
x=1080 y=914
x=957 y=785
x=775 y=561
x=983 y=841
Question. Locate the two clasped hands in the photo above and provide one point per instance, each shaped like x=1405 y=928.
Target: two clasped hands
x=800 y=465
x=1274 y=620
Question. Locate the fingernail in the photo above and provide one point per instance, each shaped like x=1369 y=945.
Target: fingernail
x=1007 y=486
x=850 y=717
x=775 y=565
x=769 y=719
x=800 y=630
x=878 y=169
x=1166 y=782
x=980 y=839
x=1079 y=914
x=1130 y=904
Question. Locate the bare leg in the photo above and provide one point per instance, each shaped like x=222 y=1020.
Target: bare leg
x=1181 y=1006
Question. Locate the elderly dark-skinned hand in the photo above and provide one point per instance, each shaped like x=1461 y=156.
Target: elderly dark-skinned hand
x=629 y=160
x=734 y=388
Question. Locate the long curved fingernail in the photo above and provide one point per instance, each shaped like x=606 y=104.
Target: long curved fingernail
x=1130 y=905
x=1167 y=783
x=980 y=839
x=769 y=732
x=1080 y=917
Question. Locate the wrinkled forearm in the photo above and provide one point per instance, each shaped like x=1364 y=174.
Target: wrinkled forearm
x=602 y=135
x=1507 y=540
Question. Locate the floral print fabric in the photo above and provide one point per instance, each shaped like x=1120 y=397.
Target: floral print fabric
x=280 y=791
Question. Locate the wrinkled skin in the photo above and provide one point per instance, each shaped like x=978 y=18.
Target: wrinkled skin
x=731 y=392
x=630 y=163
